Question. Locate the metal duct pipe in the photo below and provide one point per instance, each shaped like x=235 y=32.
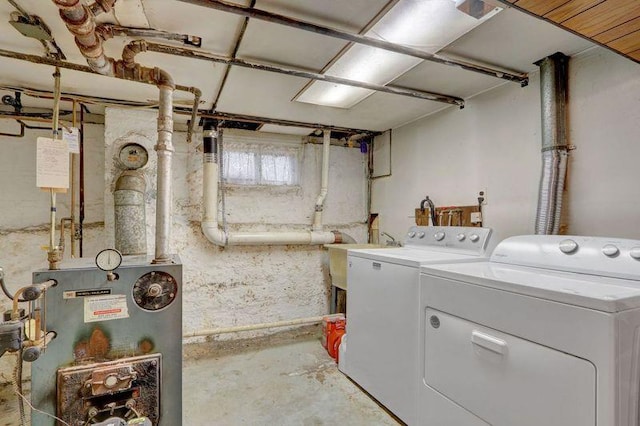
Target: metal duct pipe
x=129 y=213
x=210 y=226
x=164 y=149
x=80 y=21
x=555 y=148
x=324 y=184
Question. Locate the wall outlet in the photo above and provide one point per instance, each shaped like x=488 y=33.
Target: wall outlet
x=476 y=217
x=483 y=194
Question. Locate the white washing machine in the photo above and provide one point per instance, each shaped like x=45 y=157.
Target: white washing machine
x=381 y=350
x=545 y=333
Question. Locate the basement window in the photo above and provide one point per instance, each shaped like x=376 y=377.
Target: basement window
x=261 y=165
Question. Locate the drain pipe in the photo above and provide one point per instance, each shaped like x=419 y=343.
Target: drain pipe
x=326 y=146
x=210 y=226
x=80 y=20
x=555 y=148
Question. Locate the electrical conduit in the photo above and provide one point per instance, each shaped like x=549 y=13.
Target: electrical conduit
x=210 y=225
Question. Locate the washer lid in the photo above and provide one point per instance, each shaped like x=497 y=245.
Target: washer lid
x=601 y=293
x=412 y=256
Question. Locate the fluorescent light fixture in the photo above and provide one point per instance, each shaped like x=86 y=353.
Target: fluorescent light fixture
x=428 y=25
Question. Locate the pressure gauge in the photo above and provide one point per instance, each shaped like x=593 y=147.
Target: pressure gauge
x=108 y=260
x=133 y=156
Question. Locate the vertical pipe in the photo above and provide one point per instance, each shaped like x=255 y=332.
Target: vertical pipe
x=164 y=149
x=553 y=94
x=73 y=188
x=81 y=212
x=324 y=182
x=54 y=255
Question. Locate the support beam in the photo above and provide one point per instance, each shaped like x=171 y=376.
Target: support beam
x=263 y=15
x=413 y=93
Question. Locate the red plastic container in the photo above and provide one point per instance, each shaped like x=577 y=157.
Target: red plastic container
x=328 y=326
x=334 y=338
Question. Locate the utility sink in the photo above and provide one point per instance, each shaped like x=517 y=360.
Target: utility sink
x=338 y=261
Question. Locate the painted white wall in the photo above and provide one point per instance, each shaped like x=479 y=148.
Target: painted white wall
x=244 y=285
x=494 y=144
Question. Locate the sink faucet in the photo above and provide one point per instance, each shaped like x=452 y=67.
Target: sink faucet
x=391 y=242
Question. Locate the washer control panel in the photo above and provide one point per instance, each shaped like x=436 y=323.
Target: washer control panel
x=459 y=237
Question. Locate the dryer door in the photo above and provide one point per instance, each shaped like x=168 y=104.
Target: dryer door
x=505 y=380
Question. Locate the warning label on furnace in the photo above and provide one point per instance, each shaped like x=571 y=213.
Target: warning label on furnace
x=104 y=308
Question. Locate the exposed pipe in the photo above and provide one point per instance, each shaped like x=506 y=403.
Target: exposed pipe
x=54 y=254
x=220 y=237
x=206 y=56
x=81 y=194
x=219 y=115
x=74 y=157
x=252 y=327
x=521 y=78
x=324 y=184
x=164 y=150
x=554 y=78
x=80 y=21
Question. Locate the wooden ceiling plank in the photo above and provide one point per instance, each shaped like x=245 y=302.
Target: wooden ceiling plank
x=571 y=9
x=627 y=44
x=618 y=31
x=541 y=8
x=603 y=17
x=635 y=55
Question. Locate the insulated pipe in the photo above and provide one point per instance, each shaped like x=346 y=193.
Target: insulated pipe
x=555 y=148
x=210 y=226
x=262 y=326
x=326 y=146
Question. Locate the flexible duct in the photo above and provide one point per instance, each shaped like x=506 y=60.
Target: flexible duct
x=80 y=21
x=553 y=94
x=210 y=226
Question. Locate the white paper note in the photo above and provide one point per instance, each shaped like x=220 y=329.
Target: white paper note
x=104 y=308
x=73 y=139
x=52 y=163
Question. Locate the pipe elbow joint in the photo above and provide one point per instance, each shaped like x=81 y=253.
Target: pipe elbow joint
x=213 y=233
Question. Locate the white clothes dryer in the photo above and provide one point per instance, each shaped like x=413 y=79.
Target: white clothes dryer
x=381 y=350
x=545 y=333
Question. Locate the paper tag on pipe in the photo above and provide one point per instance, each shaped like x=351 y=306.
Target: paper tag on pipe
x=52 y=163
x=73 y=139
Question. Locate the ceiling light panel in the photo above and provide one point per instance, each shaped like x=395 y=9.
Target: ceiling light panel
x=428 y=25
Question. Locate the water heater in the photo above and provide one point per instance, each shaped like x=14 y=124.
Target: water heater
x=117 y=356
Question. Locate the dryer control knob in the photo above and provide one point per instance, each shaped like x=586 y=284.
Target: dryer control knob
x=439 y=236
x=568 y=246
x=421 y=234
x=474 y=238
x=635 y=253
x=411 y=234
x=610 y=250
x=461 y=237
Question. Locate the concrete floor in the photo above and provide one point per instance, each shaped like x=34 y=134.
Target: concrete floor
x=284 y=379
